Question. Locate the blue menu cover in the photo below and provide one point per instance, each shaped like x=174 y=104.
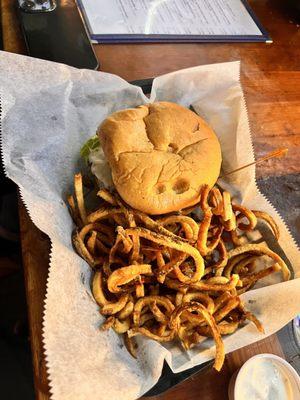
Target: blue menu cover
x=135 y=21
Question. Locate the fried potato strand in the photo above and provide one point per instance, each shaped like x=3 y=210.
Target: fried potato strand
x=175 y=324
x=191 y=234
x=248 y=214
x=125 y=275
x=79 y=197
x=107 y=307
x=262 y=249
x=109 y=322
x=146 y=332
x=226 y=328
x=130 y=345
x=147 y=301
x=269 y=220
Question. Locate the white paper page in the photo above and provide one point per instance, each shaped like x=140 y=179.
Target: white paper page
x=169 y=17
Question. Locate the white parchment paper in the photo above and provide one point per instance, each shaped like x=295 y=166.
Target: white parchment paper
x=48 y=111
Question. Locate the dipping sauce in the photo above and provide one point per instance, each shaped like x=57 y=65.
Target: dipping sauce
x=263 y=379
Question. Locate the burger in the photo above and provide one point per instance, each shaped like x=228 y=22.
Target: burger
x=158 y=155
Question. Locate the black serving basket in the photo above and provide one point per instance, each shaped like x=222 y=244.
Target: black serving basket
x=168 y=379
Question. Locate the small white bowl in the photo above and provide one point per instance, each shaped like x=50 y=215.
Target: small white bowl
x=289 y=371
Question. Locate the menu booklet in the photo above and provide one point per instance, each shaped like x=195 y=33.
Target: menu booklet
x=121 y=21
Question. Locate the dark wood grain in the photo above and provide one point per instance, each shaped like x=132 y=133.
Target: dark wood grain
x=212 y=385
x=271 y=81
x=35 y=253
x=11 y=30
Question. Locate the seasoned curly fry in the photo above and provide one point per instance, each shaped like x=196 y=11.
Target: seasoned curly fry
x=82 y=249
x=245 y=265
x=233 y=262
x=216 y=287
x=125 y=275
x=248 y=315
x=107 y=307
x=101 y=247
x=223 y=258
x=217 y=280
x=237 y=240
x=269 y=220
x=126 y=311
x=202 y=245
x=158 y=315
x=135 y=255
x=146 y=332
x=139 y=289
x=173 y=265
x=92 y=227
x=172 y=277
x=202 y=298
x=73 y=211
x=252 y=278
x=203 y=285
x=107 y=196
x=127 y=243
x=109 y=322
x=103 y=213
x=217 y=200
x=230 y=225
x=121 y=326
x=79 y=197
x=185 y=222
x=244 y=212
x=91 y=243
x=179 y=298
x=131 y=346
x=225 y=310
x=227 y=207
x=221 y=300
x=175 y=324
x=148 y=316
x=226 y=328
x=123 y=238
x=147 y=301
x=262 y=249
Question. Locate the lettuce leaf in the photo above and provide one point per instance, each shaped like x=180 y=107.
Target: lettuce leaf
x=91 y=145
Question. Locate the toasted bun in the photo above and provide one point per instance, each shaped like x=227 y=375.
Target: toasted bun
x=160 y=155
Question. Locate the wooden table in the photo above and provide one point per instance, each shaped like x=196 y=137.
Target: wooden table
x=271 y=81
